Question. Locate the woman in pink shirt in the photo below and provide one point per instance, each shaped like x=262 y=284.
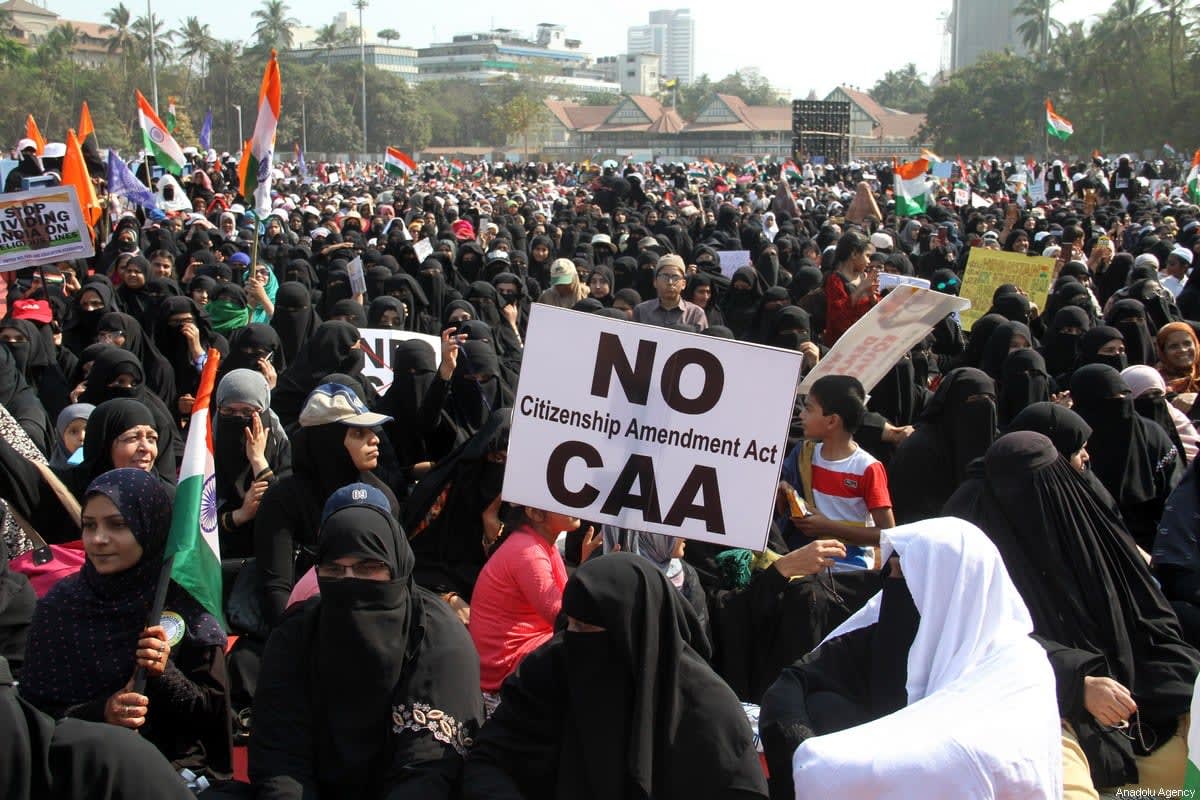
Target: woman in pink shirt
x=519 y=594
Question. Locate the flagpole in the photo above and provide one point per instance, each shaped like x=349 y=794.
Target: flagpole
x=155 y=615
x=254 y=244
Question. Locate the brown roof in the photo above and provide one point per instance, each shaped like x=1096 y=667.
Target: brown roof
x=576 y=117
x=893 y=124
x=663 y=119
x=749 y=118
x=23 y=7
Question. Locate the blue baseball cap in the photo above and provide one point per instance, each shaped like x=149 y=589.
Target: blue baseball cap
x=356 y=494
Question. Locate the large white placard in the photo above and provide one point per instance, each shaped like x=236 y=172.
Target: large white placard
x=884 y=334
x=380 y=347
x=649 y=428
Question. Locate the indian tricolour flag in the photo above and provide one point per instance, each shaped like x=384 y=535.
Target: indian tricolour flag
x=1056 y=125
x=254 y=170
x=456 y=167
x=157 y=139
x=398 y=162
x=193 y=541
x=1193 y=181
x=171 y=122
x=790 y=170
x=912 y=190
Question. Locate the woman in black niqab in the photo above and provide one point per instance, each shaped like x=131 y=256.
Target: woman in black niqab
x=1129 y=317
x=158 y=373
x=1095 y=607
x=1005 y=338
x=957 y=426
x=977 y=343
x=628 y=709
x=174 y=347
x=295 y=319
x=741 y=300
x=81 y=327
x=1060 y=348
x=1023 y=382
x=1132 y=456
x=332 y=348
x=373 y=688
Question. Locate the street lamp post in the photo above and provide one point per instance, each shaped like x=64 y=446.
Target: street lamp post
x=153 y=66
x=362 y=54
x=303 y=123
x=240 y=140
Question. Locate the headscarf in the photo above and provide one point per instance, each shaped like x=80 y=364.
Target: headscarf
x=331 y=349
x=1096 y=338
x=999 y=344
x=414 y=367
x=472 y=402
x=37 y=359
x=1023 y=381
x=386 y=303
x=1129 y=317
x=157 y=371
x=259 y=313
x=362 y=642
x=738 y=305
x=1178 y=381
x=1062 y=349
x=246 y=343
x=295 y=319
x=174 y=346
x=228 y=309
x=85 y=631
x=1088 y=590
x=351 y=310
x=111 y=363
x=1143 y=382
x=231 y=467
x=981 y=333
x=59 y=455
x=80 y=327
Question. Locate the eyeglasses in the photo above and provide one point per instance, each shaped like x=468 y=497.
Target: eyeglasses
x=108 y=337
x=363 y=570
x=670 y=277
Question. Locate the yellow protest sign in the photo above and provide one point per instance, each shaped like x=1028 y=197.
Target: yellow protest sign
x=988 y=269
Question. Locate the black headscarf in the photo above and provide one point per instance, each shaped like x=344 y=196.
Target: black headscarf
x=331 y=349
x=1133 y=457
x=1129 y=317
x=85 y=631
x=158 y=373
x=295 y=319
x=173 y=346
x=899 y=396
x=414 y=367
x=348 y=310
x=981 y=333
x=386 y=303
x=472 y=401
x=1023 y=381
x=80 y=327
x=930 y=464
x=37 y=361
x=245 y=346
x=738 y=305
x=1062 y=349
x=641 y=714
x=1094 y=604
x=999 y=344
x=1090 y=344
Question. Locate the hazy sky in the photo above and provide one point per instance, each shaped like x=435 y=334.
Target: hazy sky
x=814 y=50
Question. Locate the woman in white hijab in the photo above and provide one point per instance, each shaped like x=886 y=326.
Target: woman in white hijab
x=934 y=689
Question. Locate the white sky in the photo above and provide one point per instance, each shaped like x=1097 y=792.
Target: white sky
x=796 y=46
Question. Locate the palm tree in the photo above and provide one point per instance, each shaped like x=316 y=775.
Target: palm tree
x=122 y=40
x=329 y=38
x=274 y=27
x=1174 y=12
x=389 y=35
x=349 y=36
x=56 y=45
x=1037 y=24
x=144 y=30
x=195 y=39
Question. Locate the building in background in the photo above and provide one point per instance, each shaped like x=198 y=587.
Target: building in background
x=876 y=131
x=982 y=26
x=389 y=58
x=28 y=24
x=635 y=73
x=501 y=53
x=670 y=34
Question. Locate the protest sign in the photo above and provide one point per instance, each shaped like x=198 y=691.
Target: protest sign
x=733 y=260
x=884 y=334
x=358 y=281
x=42 y=226
x=988 y=269
x=379 y=345
x=889 y=280
x=649 y=428
x=423 y=248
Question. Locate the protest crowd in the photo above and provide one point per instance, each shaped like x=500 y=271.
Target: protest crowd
x=982 y=577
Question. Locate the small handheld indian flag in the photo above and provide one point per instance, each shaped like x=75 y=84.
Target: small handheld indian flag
x=1193 y=179
x=254 y=170
x=193 y=540
x=171 y=122
x=1055 y=125
x=157 y=139
x=456 y=168
x=398 y=162
x=912 y=190
x=790 y=170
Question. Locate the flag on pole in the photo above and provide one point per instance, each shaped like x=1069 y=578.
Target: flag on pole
x=193 y=540
x=206 y=131
x=930 y=156
x=171 y=115
x=1193 y=179
x=1055 y=125
x=158 y=140
x=398 y=162
x=75 y=173
x=86 y=128
x=456 y=167
x=89 y=143
x=254 y=170
x=122 y=182
x=790 y=170
x=300 y=165
x=912 y=191
x=32 y=132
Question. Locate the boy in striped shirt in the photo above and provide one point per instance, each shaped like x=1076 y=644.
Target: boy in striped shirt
x=844 y=486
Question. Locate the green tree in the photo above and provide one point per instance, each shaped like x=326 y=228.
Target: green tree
x=274 y=28
x=1038 y=25
x=389 y=35
x=328 y=38
x=993 y=106
x=904 y=89
x=122 y=39
x=195 y=41
x=146 y=29
x=349 y=36
x=517 y=117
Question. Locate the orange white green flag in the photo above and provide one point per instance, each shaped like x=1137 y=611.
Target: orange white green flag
x=254 y=170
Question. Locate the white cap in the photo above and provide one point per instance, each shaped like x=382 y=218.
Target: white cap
x=882 y=241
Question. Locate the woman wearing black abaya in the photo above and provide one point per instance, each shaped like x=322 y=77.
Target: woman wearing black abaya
x=958 y=424
x=116 y=373
x=295 y=319
x=1023 y=382
x=255 y=347
x=372 y=689
x=414 y=370
x=87 y=306
x=1106 y=627
x=176 y=318
x=132 y=296
x=113 y=427
x=470 y=385
x=386 y=312
x=977 y=342
x=419 y=316
x=1129 y=317
x=1060 y=347
x=336 y=287
x=332 y=348
x=124 y=331
x=739 y=303
x=1132 y=456
x=486 y=300
x=700 y=291
x=36 y=360
x=620 y=705
x=348 y=310
x=443 y=516
x=1006 y=338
